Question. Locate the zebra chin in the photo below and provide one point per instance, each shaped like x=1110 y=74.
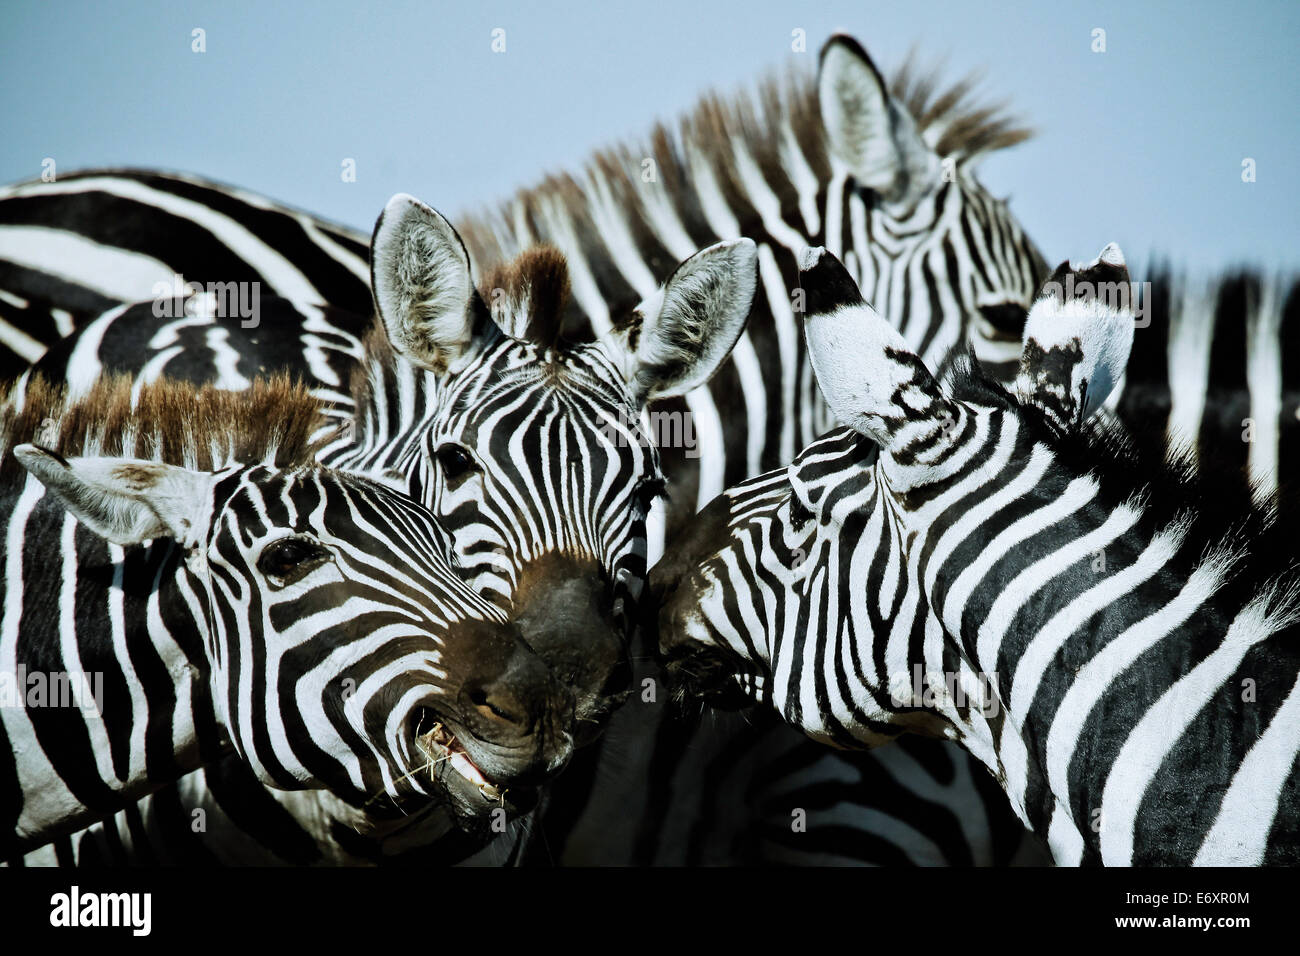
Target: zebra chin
x=699 y=669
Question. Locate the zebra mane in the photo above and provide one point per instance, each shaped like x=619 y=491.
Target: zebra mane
x=177 y=423
x=782 y=117
x=950 y=120
x=527 y=296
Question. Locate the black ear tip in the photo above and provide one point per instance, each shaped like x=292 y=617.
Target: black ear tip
x=846 y=41
x=816 y=259
x=825 y=282
x=851 y=46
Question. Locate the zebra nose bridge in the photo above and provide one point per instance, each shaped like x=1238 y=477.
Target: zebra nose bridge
x=534 y=533
x=673 y=621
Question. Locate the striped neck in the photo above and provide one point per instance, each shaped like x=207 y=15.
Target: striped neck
x=1121 y=630
x=1123 y=663
x=147 y=723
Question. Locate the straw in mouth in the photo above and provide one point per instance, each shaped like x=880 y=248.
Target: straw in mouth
x=440 y=745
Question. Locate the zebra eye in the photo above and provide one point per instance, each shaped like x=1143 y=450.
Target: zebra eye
x=287 y=560
x=799 y=514
x=647 y=491
x=1007 y=317
x=454 y=461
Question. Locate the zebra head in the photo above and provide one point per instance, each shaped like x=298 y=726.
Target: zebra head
x=340 y=649
x=530 y=449
x=923 y=237
x=812 y=587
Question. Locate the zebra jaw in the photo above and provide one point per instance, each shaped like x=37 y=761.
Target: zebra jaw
x=440 y=746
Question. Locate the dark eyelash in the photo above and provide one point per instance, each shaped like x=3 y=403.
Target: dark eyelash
x=799 y=515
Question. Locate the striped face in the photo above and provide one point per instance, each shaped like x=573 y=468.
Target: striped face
x=932 y=250
x=530 y=449
x=750 y=606
x=537 y=459
x=916 y=272
x=343 y=651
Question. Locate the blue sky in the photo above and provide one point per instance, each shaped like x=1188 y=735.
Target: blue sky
x=1142 y=144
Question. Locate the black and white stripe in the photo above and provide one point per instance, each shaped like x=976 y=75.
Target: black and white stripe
x=305 y=620
x=935 y=247
x=528 y=448
x=1120 y=645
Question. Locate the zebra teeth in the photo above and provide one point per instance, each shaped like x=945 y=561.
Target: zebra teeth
x=440 y=745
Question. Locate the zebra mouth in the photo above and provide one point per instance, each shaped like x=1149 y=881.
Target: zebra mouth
x=698 y=672
x=445 y=751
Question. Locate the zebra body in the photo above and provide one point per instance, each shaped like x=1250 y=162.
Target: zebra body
x=726 y=788
x=257 y=622
x=978 y=565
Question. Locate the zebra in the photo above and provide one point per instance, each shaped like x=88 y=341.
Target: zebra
x=982 y=564
x=937 y=248
x=527 y=447
x=178 y=556
x=942 y=255
x=1170 y=353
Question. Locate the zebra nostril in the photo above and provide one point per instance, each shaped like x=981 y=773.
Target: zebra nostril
x=493 y=708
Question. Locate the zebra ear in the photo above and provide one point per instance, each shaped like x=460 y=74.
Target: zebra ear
x=126 y=500
x=675 y=340
x=1077 y=339
x=873 y=382
x=424 y=293
x=867 y=129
